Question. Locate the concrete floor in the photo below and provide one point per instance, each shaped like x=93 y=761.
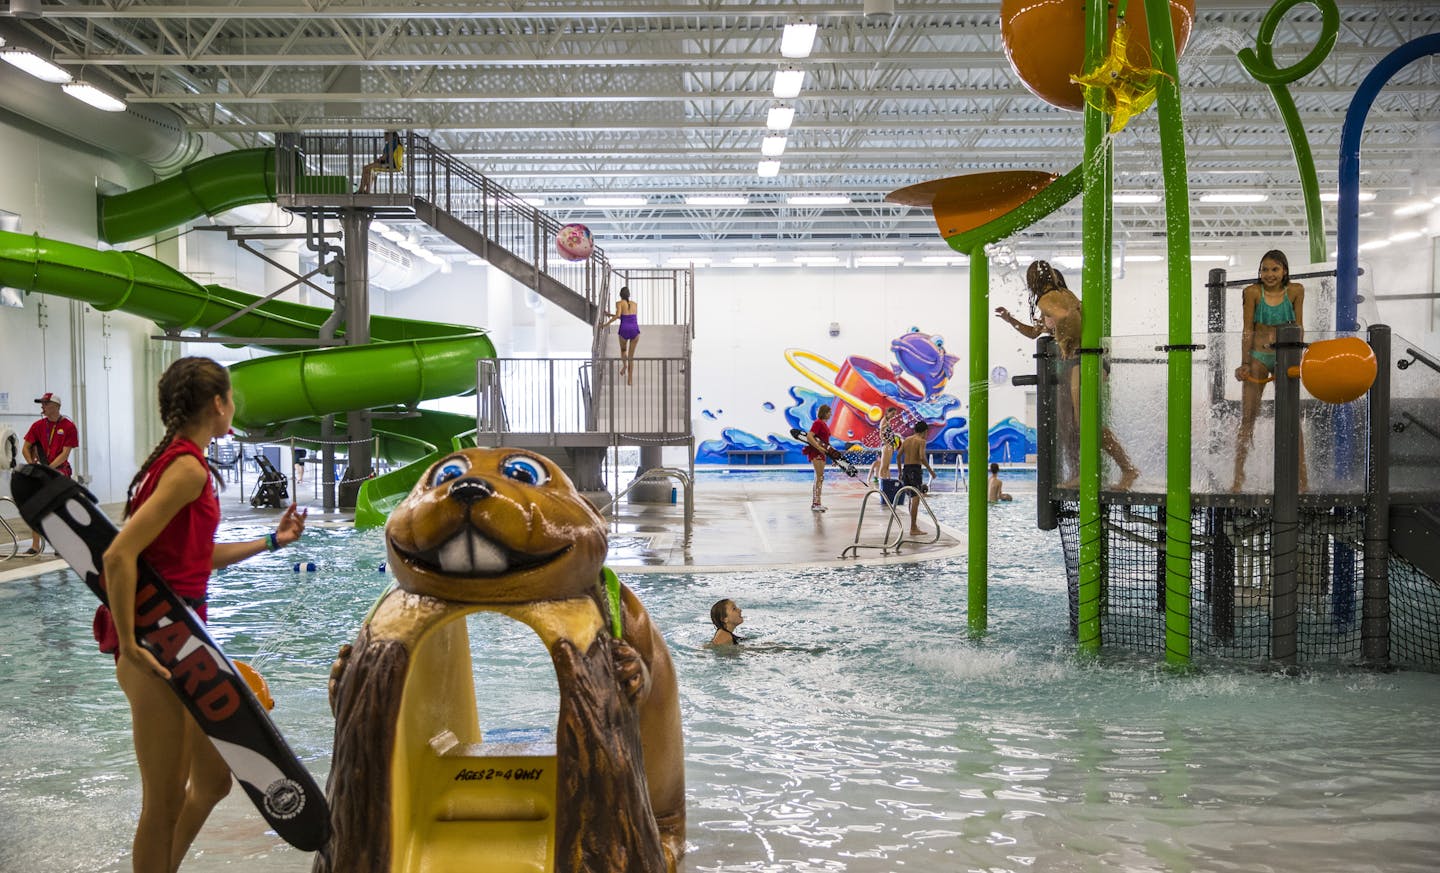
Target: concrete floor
x=737 y=525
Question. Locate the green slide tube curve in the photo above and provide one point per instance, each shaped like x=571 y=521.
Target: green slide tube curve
x=410 y=360
x=206 y=187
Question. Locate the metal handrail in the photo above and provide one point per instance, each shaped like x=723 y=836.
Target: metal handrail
x=14 y=540
x=1417 y=356
x=661 y=473
x=917 y=494
x=885 y=546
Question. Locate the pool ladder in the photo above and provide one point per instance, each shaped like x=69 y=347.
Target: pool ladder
x=893 y=523
x=10 y=531
x=662 y=473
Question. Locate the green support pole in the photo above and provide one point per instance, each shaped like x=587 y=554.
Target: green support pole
x=1095 y=287
x=977 y=571
x=1260 y=63
x=1177 y=397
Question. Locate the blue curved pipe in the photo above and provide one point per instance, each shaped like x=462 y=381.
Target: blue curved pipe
x=1347 y=255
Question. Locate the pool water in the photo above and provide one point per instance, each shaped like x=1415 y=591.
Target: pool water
x=857 y=728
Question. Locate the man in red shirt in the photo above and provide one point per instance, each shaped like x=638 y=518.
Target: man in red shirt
x=49 y=441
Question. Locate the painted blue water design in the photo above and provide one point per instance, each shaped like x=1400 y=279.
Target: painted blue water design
x=856 y=729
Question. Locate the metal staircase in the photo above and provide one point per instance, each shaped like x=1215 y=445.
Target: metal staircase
x=452 y=197
x=571 y=409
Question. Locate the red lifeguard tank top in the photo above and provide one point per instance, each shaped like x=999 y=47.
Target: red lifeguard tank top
x=183 y=551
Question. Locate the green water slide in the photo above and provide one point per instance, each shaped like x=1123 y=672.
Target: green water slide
x=281 y=395
x=206 y=187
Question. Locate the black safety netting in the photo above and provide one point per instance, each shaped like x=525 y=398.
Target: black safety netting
x=1234 y=613
x=1414 y=616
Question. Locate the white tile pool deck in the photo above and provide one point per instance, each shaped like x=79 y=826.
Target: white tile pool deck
x=739 y=524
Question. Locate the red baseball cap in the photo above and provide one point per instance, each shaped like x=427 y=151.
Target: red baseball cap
x=49 y=397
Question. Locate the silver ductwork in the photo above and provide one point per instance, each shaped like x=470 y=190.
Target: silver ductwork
x=152 y=134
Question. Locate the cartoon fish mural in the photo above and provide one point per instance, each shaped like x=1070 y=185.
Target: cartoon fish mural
x=922 y=356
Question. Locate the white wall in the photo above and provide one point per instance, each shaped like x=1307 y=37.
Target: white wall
x=96 y=361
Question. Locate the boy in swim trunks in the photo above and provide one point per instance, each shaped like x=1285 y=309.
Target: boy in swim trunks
x=913 y=461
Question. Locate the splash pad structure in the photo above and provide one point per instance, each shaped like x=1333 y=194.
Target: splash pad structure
x=1134 y=557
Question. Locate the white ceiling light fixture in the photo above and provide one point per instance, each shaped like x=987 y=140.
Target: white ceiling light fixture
x=88 y=93
x=1143 y=259
x=536 y=202
x=630 y=261
x=753 y=260
x=1334 y=196
x=817 y=260
x=780 y=117
x=1415 y=208
x=773 y=146
x=1234 y=198
x=879 y=260
x=33 y=64
x=716 y=200
x=788 y=82
x=689 y=262
x=798 y=38
x=1405 y=236
x=768 y=169
x=618 y=202
x=948 y=260
x=1131 y=197
x=818 y=199
x=1070 y=262
x=1210 y=259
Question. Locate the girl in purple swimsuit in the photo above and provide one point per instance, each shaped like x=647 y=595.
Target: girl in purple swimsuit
x=625 y=310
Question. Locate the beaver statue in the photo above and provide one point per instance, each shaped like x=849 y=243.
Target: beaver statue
x=413 y=786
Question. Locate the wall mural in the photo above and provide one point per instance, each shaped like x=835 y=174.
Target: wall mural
x=860 y=391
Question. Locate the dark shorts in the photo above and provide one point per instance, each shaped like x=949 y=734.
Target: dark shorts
x=913 y=476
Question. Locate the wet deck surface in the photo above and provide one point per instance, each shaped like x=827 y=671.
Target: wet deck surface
x=737 y=525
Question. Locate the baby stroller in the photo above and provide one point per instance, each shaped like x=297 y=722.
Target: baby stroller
x=272 y=490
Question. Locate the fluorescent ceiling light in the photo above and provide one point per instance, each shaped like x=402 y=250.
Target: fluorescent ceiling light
x=630 y=262
x=818 y=199
x=34 y=65
x=1070 y=262
x=1405 y=236
x=716 y=200
x=780 y=117
x=1234 y=198
x=1143 y=259
x=1415 y=208
x=788 y=82
x=536 y=202
x=772 y=146
x=1210 y=259
x=817 y=260
x=944 y=259
x=1136 y=198
x=1334 y=196
x=688 y=262
x=752 y=260
x=616 y=201
x=798 y=38
x=879 y=260
x=1374 y=244
x=768 y=168
x=88 y=93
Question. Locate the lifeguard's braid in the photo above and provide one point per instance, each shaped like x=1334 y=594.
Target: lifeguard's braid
x=186 y=388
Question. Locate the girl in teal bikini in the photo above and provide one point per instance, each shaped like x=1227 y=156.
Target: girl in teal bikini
x=1272 y=302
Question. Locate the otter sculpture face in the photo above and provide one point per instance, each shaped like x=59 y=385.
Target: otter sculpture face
x=496 y=526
